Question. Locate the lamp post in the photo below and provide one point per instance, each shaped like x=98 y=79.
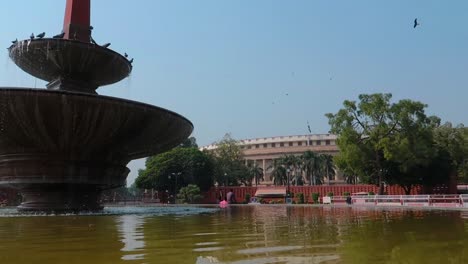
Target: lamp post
x=225 y=180
x=175 y=187
x=287 y=174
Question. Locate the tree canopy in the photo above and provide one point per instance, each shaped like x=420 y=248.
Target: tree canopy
x=381 y=141
x=175 y=169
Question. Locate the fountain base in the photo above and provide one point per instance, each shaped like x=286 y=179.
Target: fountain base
x=60 y=198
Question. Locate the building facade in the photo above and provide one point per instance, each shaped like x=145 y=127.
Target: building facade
x=263 y=151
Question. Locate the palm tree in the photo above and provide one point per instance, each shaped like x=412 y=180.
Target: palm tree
x=255 y=171
x=294 y=164
x=328 y=166
x=312 y=166
x=278 y=173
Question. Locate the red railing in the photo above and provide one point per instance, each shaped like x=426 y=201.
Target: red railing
x=213 y=195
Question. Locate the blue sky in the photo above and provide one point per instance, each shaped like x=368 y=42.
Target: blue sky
x=228 y=65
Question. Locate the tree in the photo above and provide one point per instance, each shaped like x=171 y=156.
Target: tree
x=255 y=172
x=230 y=169
x=311 y=164
x=278 y=172
x=381 y=141
x=176 y=168
x=453 y=142
x=328 y=167
x=293 y=166
x=190 y=142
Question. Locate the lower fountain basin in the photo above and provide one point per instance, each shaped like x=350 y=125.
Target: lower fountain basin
x=58 y=144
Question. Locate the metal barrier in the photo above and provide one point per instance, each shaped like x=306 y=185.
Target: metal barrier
x=388 y=200
x=445 y=200
x=464 y=200
x=415 y=200
x=412 y=200
x=338 y=199
x=363 y=199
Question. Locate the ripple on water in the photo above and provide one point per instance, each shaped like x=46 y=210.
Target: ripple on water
x=269 y=260
x=261 y=250
x=146 y=211
x=207 y=249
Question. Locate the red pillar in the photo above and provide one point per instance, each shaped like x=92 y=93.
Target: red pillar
x=76 y=24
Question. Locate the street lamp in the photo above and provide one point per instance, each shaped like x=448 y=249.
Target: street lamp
x=175 y=187
x=287 y=174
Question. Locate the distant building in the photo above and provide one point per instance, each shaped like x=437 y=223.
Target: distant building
x=263 y=151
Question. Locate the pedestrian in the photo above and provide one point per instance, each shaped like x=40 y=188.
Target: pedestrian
x=231 y=197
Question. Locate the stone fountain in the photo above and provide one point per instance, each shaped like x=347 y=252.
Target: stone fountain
x=62 y=146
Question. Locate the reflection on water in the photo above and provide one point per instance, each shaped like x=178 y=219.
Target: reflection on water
x=131 y=231
x=249 y=234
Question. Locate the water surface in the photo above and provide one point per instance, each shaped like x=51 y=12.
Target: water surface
x=245 y=234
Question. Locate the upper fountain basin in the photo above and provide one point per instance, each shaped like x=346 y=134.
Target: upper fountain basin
x=53 y=59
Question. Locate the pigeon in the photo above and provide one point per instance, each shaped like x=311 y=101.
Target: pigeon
x=32 y=36
x=131 y=61
x=126 y=55
x=14 y=41
x=42 y=35
x=106 y=45
x=59 y=36
x=415 y=23
x=91 y=28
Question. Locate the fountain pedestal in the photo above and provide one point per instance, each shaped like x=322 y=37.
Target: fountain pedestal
x=62 y=146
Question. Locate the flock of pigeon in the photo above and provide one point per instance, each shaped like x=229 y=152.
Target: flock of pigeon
x=61 y=35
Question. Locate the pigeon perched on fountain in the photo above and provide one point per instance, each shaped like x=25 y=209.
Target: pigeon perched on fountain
x=40 y=36
x=59 y=36
x=131 y=61
x=106 y=45
x=32 y=36
x=126 y=55
x=14 y=41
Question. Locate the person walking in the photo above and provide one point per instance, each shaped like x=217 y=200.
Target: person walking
x=231 y=197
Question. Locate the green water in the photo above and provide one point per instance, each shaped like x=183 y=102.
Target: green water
x=247 y=234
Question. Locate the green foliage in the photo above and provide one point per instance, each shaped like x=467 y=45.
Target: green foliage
x=230 y=169
x=189 y=194
x=300 y=198
x=330 y=194
x=453 y=142
x=371 y=193
x=247 y=198
x=387 y=142
x=177 y=167
x=278 y=173
x=316 y=168
x=315 y=197
x=346 y=193
x=190 y=142
x=255 y=172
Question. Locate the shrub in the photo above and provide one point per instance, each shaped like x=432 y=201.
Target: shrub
x=346 y=194
x=315 y=197
x=371 y=193
x=330 y=194
x=300 y=198
x=247 y=198
x=189 y=194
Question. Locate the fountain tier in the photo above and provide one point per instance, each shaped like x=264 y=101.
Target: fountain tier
x=60 y=149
